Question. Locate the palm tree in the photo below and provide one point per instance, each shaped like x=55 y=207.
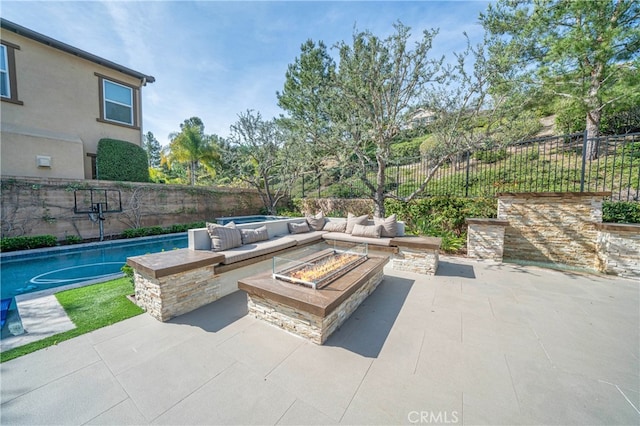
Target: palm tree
x=192 y=147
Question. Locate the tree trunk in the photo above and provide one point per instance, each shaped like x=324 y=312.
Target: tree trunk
x=378 y=198
x=593 y=131
x=594 y=112
x=193 y=167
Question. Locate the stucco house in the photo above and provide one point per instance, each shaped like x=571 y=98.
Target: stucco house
x=58 y=101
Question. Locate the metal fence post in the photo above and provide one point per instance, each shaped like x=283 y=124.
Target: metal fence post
x=584 y=160
x=466 y=183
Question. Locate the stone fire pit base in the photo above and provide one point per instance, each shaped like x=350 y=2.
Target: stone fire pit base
x=312 y=314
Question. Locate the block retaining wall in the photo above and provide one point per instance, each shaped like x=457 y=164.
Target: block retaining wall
x=33 y=206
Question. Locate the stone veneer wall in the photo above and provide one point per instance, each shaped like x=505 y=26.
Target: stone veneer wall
x=423 y=261
x=172 y=295
x=304 y=324
x=618 y=248
x=552 y=227
x=485 y=238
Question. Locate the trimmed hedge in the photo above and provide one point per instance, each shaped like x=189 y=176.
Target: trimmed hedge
x=25 y=243
x=121 y=161
x=158 y=230
x=621 y=212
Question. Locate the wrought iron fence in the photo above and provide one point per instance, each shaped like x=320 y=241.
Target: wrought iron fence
x=550 y=164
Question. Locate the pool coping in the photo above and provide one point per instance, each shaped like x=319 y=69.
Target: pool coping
x=24 y=254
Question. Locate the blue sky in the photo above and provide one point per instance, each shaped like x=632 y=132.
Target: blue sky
x=215 y=59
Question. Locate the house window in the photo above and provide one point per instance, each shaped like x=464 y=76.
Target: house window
x=5 y=89
x=8 y=85
x=118 y=104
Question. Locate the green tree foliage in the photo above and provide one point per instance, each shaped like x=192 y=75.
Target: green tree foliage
x=306 y=97
x=573 y=49
x=153 y=148
x=192 y=147
x=377 y=83
x=261 y=154
x=121 y=161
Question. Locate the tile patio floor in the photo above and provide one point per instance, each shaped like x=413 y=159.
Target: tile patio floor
x=479 y=343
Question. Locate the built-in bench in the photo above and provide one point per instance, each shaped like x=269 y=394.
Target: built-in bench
x=172 y=283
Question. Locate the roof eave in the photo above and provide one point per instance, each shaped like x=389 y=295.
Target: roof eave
x=41 y=38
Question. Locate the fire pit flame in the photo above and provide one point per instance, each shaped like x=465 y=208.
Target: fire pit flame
x=322 y=270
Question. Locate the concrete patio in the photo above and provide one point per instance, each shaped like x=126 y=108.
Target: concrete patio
x=479 y=343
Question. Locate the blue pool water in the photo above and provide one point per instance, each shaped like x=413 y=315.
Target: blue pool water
x=247 y=219
x=45 y=269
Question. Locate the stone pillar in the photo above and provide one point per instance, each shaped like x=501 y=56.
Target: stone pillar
x=485 y=238
x=618 y=248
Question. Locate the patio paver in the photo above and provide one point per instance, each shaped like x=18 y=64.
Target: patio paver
x=478 y=343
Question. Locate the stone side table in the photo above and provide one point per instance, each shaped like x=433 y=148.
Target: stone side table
x=485 y=238
x=416 y=254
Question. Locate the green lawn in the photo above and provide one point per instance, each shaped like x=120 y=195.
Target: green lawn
x=89 y=308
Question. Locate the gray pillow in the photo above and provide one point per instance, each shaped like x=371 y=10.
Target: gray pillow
x=224 y=237
x=316 y=222
x=370 y=231
x=389 y=226
x=335 y=226
x=254 y=235
x=355 y=220
x=298 y=228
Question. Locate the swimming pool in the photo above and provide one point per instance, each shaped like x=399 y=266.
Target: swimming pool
x=43 y=269
x=247 y=219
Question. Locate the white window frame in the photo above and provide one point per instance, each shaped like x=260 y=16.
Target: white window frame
x=105 y=100
x=5 y=72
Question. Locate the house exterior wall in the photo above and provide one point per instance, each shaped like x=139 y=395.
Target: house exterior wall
x=58 y=118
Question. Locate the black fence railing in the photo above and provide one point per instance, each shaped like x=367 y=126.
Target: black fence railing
x=549 y=164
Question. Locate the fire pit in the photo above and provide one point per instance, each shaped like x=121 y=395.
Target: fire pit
x=312 y=297
x=319 y=271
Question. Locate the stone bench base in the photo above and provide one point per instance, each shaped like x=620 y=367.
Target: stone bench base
x=419 y=255
x=175 y=282
x=312 y=314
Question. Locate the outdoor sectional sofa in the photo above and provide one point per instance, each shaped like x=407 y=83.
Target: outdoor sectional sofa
x=281 y=237
x=172 y=283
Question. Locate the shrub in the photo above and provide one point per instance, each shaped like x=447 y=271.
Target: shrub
x=158 y=230
x=72 y=239
x=491 y=156
x=25 y=243
x=121 y=161
x=442 y=217
x=621 y=212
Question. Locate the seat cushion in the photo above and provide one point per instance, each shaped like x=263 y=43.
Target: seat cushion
x=307 y=237
x=339 y=236
x=248 y=251
x=335 y=226
x=370 y=231
x=389 y=226
x=316 y=222
x=355 y=220
x=224 y=237
x=298 y=228
x=254 y=235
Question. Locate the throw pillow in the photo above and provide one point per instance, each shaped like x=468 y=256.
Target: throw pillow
x=298 y=228
x=355 y=220
x=389 y=226
x=254 y=235
x=224 y=237
x=335 y=226
x=316 y=222
x=370 y=231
